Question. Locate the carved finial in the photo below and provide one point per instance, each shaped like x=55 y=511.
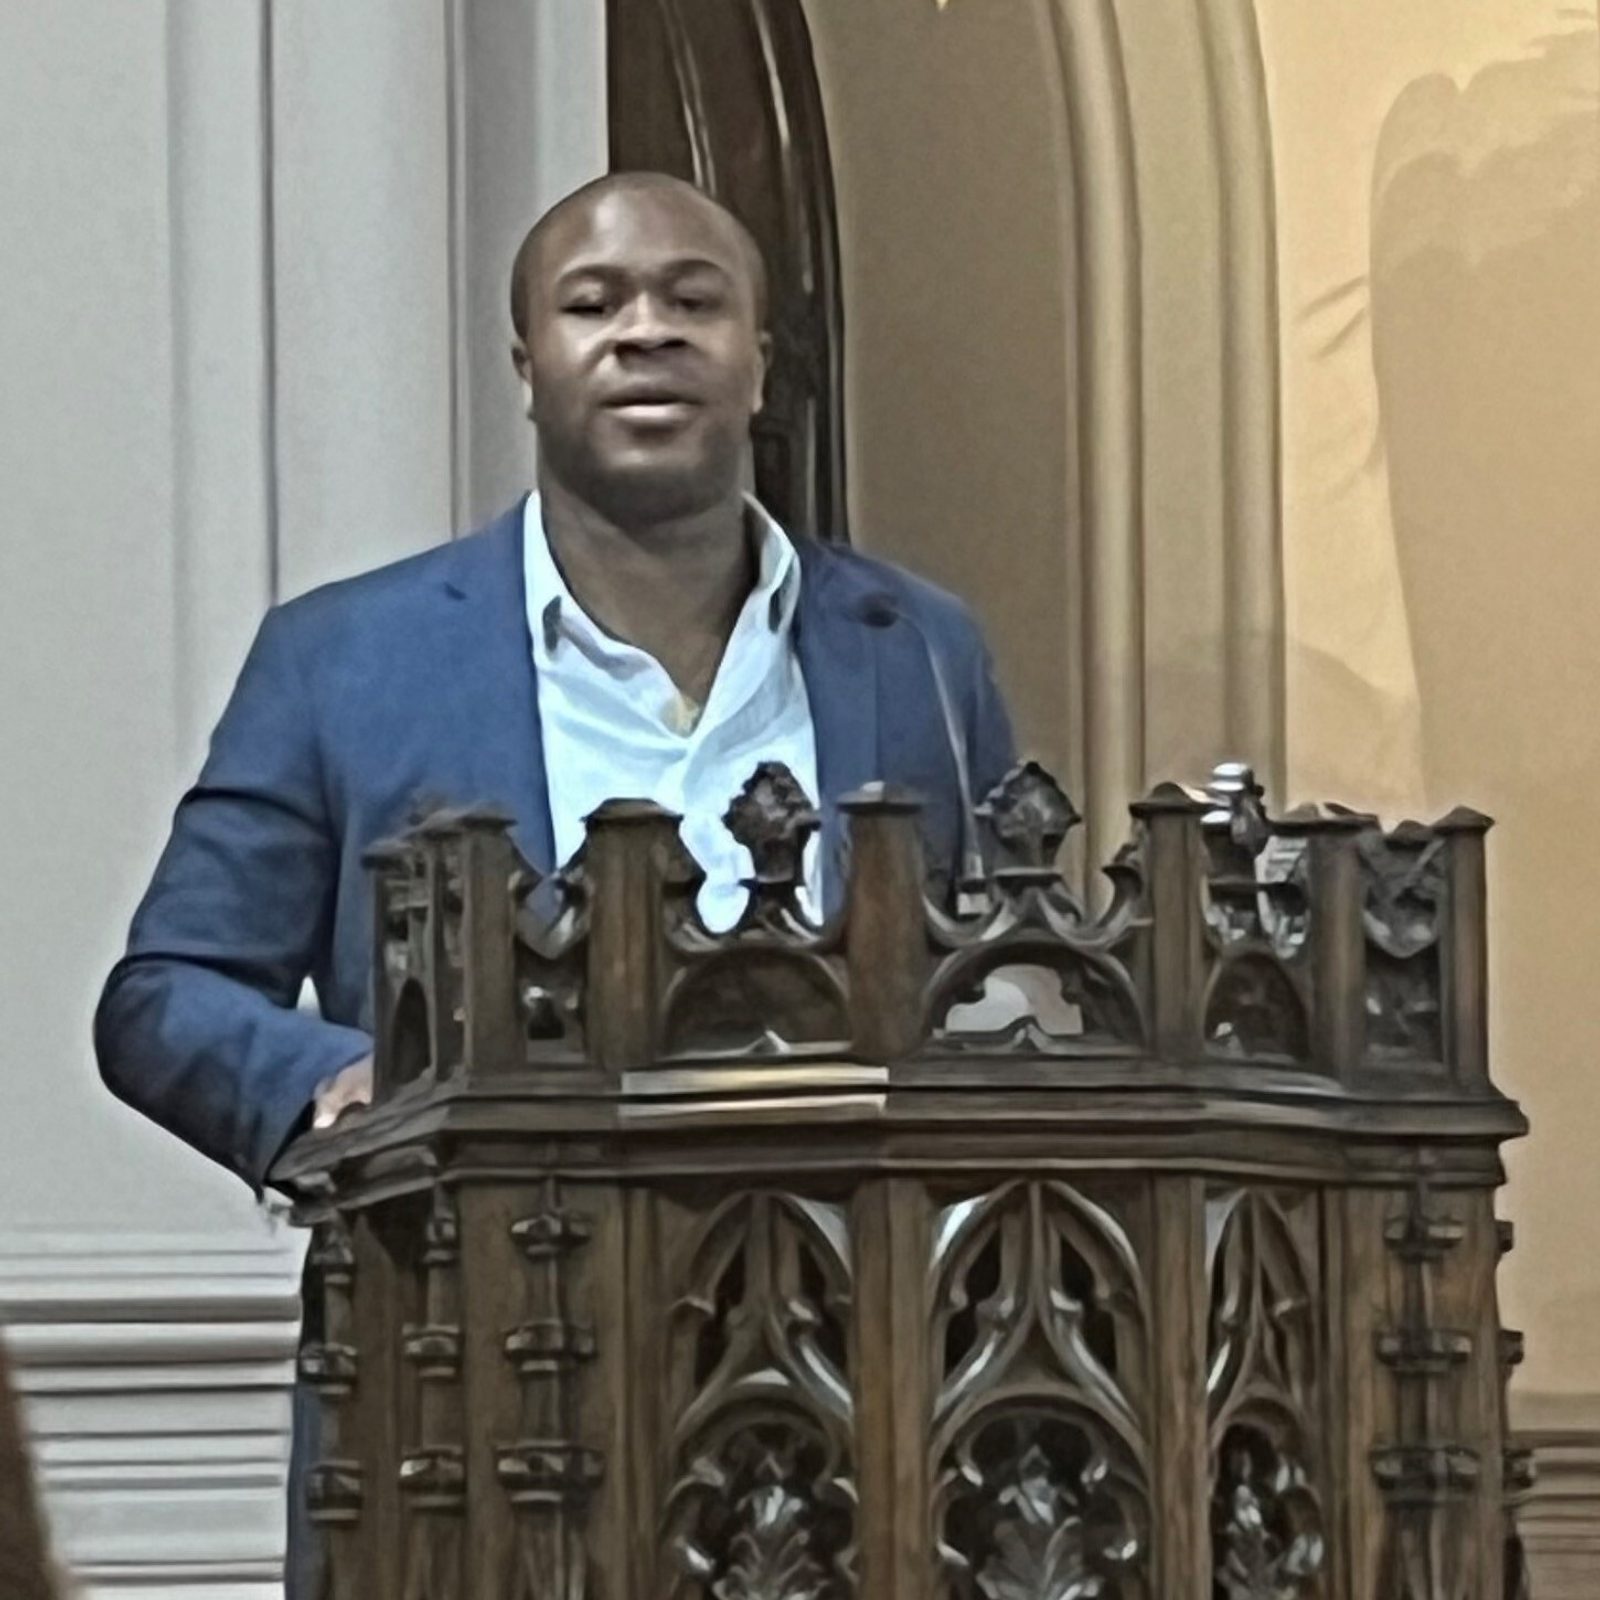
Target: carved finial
x=772 y=817
x=1240 y=805
x=1030 y=816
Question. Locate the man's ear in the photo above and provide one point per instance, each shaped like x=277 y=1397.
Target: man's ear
x=763 y=367
x=519 y=359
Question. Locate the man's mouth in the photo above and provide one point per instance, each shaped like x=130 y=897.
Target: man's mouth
x=652 y=405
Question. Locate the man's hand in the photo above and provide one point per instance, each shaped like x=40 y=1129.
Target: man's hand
x=350 y=1086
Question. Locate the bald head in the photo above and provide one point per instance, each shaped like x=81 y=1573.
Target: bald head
x=639 y=304
x=570 y=218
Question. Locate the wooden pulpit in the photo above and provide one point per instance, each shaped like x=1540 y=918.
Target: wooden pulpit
x=1139 y=1247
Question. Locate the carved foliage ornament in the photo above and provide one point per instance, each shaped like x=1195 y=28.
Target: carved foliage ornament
x=1257 y=922
x=1058 y=1533
x=1029 y=817
x=1265 y=1535
x=773 y=818
x=1255 y=884
x=762 y=1536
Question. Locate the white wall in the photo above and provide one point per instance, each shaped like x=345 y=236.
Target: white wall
x=248 y=343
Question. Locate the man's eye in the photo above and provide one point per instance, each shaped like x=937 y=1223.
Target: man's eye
x=585 y=308
x=697 y=302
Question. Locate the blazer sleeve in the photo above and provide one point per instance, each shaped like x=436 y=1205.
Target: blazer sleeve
x=198 y=1026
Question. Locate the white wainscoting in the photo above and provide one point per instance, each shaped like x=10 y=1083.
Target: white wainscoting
x=155 y=1374
x=1560 y=1521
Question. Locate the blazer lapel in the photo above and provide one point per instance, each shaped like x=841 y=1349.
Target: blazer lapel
x=839 y=663
x=499 y=683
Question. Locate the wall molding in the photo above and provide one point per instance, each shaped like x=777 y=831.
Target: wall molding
x=1106 y=678
x=1252 y=484
x=223 y=409
x=1560 y=1521
x=1165 y=147
x=49 y=1277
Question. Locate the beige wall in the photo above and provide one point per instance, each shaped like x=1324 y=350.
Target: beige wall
x=956 y=291
x=1438 y=181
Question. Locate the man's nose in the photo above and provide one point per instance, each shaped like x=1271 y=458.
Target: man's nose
x=647 y=324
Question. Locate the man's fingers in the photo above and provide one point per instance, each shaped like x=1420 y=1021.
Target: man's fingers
x=331 y=1107
x=336 y=1095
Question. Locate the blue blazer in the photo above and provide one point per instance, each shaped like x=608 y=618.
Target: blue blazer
x=417 y=680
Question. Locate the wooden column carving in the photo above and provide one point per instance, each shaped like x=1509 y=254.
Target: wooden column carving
x=623 y=868
x=1426 y=1475
x=335 y=1487
x=547 y=1473
x=491 y=1022
x=433 y=1470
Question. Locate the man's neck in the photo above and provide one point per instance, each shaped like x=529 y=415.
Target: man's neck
x=673 y=589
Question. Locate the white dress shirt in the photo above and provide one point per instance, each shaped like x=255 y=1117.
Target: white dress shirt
x=616 y=727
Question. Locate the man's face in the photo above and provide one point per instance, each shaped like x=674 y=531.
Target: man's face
x=644 y=354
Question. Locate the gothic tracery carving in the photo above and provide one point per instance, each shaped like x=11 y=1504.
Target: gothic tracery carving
x=1262 y=1385
x=1038 y=1449
x=762 y=1506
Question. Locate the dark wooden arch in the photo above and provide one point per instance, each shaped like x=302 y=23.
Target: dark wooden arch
x=725 y=94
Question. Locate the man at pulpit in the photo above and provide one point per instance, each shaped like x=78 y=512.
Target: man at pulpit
x=637 y=626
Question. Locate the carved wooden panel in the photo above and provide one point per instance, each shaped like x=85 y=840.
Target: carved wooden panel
x=552 y=928
x=1265 y=1380
x=1257 y=925
x=1403 y=875
x=761 y=1496
x=1039 y=1446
